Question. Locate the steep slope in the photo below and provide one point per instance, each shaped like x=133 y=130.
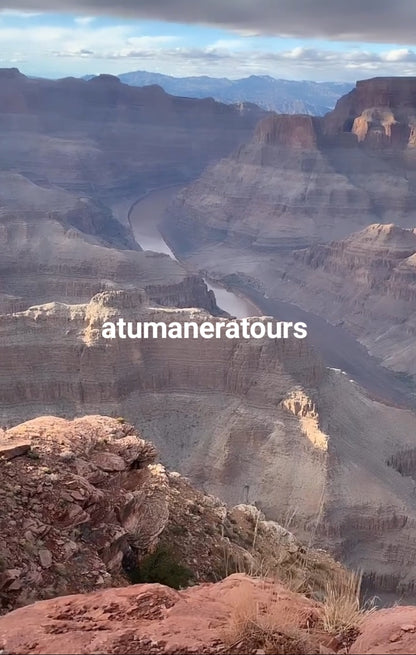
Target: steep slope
x=248 y=420
x=367 y=281
x=303 y=181
x=85 y=506
x=75 y=155
x=103 y=136
x=46 y=255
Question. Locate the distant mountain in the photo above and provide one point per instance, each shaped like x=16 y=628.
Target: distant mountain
x=282 y=96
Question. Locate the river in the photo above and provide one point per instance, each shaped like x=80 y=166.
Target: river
x=337 y=347
x=144 y=216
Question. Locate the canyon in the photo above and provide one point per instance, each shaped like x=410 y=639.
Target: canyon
x=297 y=217
x=302 y=185
x=74 y=153
x=230 y=414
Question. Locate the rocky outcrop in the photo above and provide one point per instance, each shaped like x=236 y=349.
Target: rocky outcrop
x=292 y=131
x=387 y=631
x=239 y=615
x=251 y=421
x=155 y=619
x=86 y=506
x=379 y=111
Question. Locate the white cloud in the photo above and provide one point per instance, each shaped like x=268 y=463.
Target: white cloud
x=87 y=47
x=400 y=55
x=15 y=13
x=84 y=20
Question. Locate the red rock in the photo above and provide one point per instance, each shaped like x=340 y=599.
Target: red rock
x=387 y=631
x=109 y=461
x=11 y=449
x=135 y=618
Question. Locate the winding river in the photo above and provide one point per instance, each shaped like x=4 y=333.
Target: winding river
x=338 y=348
x=144 y=216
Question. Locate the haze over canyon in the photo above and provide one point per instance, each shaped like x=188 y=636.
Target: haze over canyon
x=119 y=201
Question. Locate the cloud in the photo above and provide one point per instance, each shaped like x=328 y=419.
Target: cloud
x=83 y=47
x=353 y=20
x=84 y=20
x=13 y=13
x=216 y=59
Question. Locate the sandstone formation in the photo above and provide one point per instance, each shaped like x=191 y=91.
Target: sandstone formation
x=155 y=619
x=46 y=255
x=85 y=505
x=103 y=137
x=237 y=615
x=258 y=421
x=302 y=182
x=387 y=631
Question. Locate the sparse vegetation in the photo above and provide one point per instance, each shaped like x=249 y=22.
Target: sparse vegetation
x=342 y=610
x=33 y=454
x=161 y=566
x=264 y=626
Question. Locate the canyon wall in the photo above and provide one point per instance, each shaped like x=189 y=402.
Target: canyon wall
x=75 y=155
x=367 y=282
x=306 y=183
x=259 y=421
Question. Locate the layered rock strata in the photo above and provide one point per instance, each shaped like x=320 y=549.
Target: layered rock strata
x=248 y=420
x=367 y=283
x=302 y=182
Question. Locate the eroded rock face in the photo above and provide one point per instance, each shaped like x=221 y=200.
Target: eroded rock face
x=250 y=421
x=102 y=135
x=84 y=502
x=45 y=255
x=379 y=111
x=367 y=281
x=75 y=156
x=304 y=183
x=304 y=179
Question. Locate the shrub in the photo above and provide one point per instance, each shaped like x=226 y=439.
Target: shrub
x=161 y=566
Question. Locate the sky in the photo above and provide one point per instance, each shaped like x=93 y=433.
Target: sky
x=336 y=40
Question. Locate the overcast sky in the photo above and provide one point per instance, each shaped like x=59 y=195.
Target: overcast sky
x=340 y=40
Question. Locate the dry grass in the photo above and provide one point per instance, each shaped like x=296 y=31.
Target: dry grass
x=308 y=573
x=269 y=627
x=342 y=612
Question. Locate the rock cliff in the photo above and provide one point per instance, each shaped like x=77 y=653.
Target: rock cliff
x=366 y=281
x=46 y=254
x=101 y=137
x=248 y=420
x=86 y=506
x=305 y=182
x=74 y=152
